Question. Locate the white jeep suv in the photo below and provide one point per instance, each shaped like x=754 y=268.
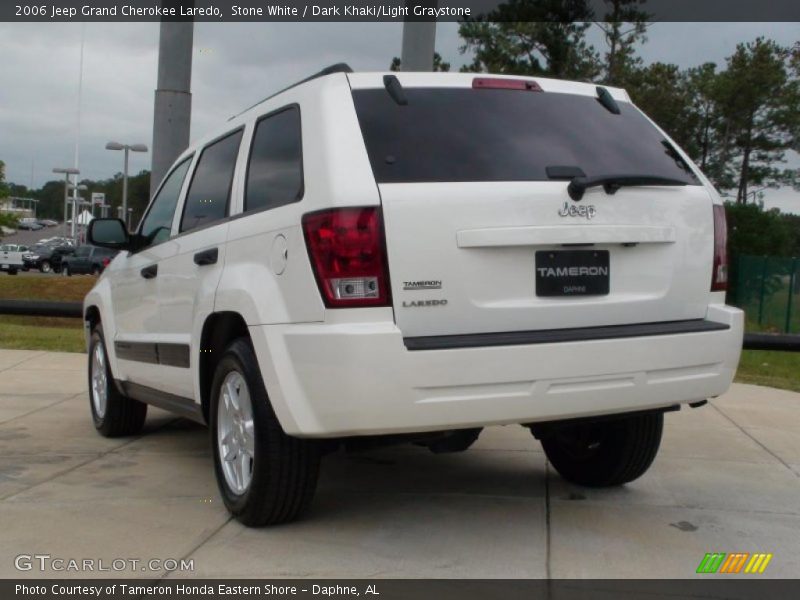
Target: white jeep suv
x=368 y=257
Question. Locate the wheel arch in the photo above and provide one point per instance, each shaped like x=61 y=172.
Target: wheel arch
x=92 y=316
x=219 y=330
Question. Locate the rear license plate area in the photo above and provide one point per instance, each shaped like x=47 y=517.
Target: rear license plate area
x=572 y=272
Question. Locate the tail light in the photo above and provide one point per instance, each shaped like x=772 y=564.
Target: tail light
x=106 y=261
x=348 y=254
x=719 y=274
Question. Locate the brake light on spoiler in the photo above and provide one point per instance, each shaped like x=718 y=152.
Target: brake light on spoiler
x=348 y=254
x=497 y=83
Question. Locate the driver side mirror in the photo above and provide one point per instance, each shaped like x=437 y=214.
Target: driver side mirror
x=108 y=233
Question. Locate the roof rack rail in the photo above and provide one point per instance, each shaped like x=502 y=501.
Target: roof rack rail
x=337 y=68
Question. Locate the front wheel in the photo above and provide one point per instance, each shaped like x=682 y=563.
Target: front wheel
x=113 y=414
x=605 y=453
x=45 y=267
x=265 y=477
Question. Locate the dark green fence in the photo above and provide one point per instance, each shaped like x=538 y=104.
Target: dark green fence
x=767 y=288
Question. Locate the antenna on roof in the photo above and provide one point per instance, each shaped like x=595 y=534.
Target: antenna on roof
x=337 y=68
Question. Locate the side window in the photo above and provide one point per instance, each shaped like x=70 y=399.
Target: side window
x=157 y=223
x=210 y=190
x=275 y=168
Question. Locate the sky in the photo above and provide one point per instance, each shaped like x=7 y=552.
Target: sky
x=234 y=66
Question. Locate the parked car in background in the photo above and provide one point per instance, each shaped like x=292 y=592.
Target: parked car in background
x=55 y=241
x=48 y=222
x=30 y=225
x=11 y=258
x=87 y=260
x=47 y=257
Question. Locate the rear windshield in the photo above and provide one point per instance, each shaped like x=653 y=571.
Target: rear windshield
x=462 y=134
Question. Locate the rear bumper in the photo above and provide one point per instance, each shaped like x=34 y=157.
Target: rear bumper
x=329 y=380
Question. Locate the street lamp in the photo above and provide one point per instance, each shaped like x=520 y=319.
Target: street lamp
x=67 y=172
x=76 y=194
x=127 y=148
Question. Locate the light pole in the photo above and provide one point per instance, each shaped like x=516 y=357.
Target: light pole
x=127 y=148
x=67 y=172
x=419 y=41
x=75 y=197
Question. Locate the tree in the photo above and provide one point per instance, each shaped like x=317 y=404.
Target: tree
x=547 y=37
x=794 y=63
x=624 y=27
x=438 y=63
x=51 y=200
x=704 y=118
x=14 y=189
x=3 y=186
x=660 y=90
x=753 y=231
x=759 y=102
x=51 y=194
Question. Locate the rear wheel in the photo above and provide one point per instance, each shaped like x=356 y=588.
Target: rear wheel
x=114 y=415
x=605 y=453
x=67 y=272
x=265 y=476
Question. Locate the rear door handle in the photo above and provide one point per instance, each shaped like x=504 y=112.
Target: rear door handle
x=206 y=257
x=149 y=272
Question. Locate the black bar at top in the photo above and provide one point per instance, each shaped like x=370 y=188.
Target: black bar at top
x=384 y=11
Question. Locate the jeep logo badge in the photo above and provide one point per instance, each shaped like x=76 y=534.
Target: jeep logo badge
x=585 y=211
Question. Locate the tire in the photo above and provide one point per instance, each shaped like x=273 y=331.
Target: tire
x=96 y=271
x=605 y=453
x=45 y=267
x=114 y=415
x=67 y=272
x=274 y=479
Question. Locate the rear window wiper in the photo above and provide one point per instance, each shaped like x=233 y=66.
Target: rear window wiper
x=611 y=183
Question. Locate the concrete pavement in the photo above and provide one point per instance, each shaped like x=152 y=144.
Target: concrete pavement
x=727 y=479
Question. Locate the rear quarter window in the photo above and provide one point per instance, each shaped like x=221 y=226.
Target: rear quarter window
x=210 y=190
x=275 y=166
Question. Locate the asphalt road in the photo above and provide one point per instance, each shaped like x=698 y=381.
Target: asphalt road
x=727 y=479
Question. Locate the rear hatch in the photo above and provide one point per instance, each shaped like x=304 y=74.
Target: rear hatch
x=482 y=233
